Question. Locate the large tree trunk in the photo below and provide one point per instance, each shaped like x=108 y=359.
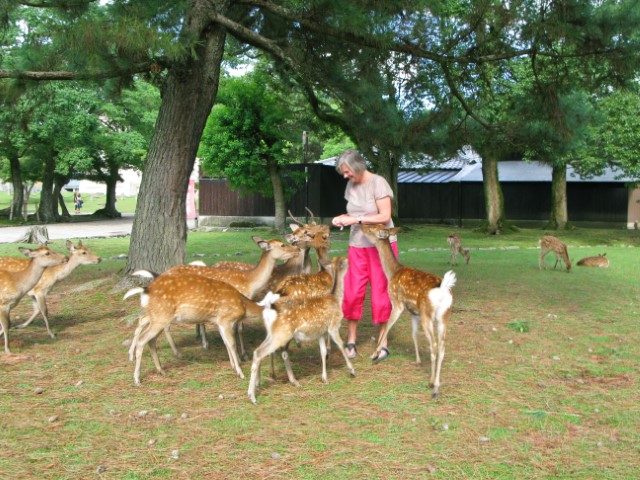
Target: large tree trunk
x=493 y=199
x=110 y=210
x=16 y=181
x=559 y=217
x=159 y=233
x=46 y=209
x=278 y=195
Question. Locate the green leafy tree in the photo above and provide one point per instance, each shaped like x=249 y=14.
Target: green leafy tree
x=250 y=136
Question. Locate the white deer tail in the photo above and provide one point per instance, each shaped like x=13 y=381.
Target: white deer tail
x=144 y=274
x=441 y=297
x=133 y=291
x=449 y=281
x=144 y=296
x=269 y=315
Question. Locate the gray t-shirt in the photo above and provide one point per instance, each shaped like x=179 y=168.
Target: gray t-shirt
x=361 y=200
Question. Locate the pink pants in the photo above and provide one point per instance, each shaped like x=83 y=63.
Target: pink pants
x=365 y=267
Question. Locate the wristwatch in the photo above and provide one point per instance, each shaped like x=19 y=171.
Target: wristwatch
x=359 y=219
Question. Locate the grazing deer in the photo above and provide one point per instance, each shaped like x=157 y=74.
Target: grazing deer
x=79 y=255
x=548 y=244
x=14 y=285
x=597 y=261
x=455 y=245
x=188 y=299
x=425 y=296
x=301 y=319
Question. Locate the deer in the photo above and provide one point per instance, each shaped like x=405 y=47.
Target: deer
x=188 y=299
x=14 y=285
x=425 y=296
x=596 y=261
x=549 y=243
x=455 y=245
x=78 y=255
x=301 y=319
x=304 y=236
x=247 y=282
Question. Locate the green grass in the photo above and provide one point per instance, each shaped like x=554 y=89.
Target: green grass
x=91 y=203
x=539 y=380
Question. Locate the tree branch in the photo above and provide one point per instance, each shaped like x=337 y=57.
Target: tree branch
x=71 y=75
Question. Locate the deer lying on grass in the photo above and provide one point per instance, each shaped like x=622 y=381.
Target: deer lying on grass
x=548 y=244
x=597 y=261
x=425 y=296
x=455 y=245
x=14 y=285
x=301 y=319
x=79 y=255
x=189 y=299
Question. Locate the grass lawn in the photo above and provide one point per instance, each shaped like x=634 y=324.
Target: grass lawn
x=91 y=203
x=539 y=381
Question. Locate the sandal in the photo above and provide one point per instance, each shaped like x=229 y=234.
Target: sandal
x=381 y=356
x=352 y=351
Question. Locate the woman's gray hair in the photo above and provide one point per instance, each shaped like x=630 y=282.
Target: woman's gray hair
x=352 y=159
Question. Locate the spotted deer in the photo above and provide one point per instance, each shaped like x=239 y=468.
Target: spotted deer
x=78 y=255
x=188 y=299
x=14 y=285
x=455 y=246
x=304 y=319
x=427 y=298
x=549 y=243
x=596 y=261
x=247 y=282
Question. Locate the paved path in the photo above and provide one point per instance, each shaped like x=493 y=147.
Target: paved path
x=116 y=227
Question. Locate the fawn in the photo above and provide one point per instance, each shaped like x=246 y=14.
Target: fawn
x=14 y=285
x=455 y=245
x=301 y=319
x=597 y=261
x=425 y=296
x=549 y=243
x=79 y=255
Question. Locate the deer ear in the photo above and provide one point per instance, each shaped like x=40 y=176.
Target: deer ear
x=70 y=245
x=394 y=230
x=294 y=227
x=290 y=238
x=25 y=251
x=383 y=234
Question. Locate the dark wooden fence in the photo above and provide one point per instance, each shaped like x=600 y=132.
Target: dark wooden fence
x=323 y=193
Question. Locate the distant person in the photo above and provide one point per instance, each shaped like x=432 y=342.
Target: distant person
x=75 y=201
x=78 y=203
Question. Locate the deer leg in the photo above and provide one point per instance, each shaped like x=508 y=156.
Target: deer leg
x=541 y=261
x=5 y=322
x=149 y=332
x=226 y=332
x=323 y=355
x=172 y=344
x=37 y=308
x=239 y=332
x=154 y=354
x=427 y=324
x=202 y=331
x=267 y=347
x=334 y=333
x=415 y=330
x=442 y=332
x=144 y=320
x=287 y=365
x=396 y=311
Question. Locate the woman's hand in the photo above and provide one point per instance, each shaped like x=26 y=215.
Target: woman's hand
x=344 y=220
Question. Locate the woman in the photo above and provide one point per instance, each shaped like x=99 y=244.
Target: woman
x=369 y=199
